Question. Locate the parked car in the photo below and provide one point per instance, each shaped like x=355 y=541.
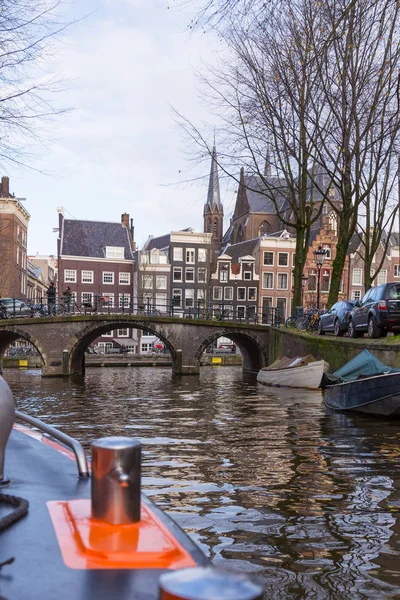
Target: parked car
x=10 y=308
x=336 y=319
x=377 y=313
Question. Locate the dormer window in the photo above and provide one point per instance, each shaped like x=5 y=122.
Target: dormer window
x=114 y=252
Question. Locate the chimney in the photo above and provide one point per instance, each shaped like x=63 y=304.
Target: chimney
x=5 y=187
x=125 y=220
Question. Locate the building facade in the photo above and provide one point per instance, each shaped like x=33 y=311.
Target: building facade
x=14 y=221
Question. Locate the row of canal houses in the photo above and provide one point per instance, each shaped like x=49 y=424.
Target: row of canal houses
x=245 y=272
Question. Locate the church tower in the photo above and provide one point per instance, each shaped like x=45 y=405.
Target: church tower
x=213 y=209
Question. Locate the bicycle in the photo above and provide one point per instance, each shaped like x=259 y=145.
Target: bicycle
x=290 y=323
x=148 y=312
x=308 y=322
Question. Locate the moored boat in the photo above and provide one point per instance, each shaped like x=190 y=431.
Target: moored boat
x=66 y=532
x=299 y=372
x=364 y=385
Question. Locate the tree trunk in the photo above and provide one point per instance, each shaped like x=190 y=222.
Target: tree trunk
x=302 y=236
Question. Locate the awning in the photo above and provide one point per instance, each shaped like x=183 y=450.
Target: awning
x=125 y=341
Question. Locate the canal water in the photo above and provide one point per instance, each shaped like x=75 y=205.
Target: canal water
x=264 y=480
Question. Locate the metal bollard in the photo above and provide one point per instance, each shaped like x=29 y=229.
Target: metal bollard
x=7 y=415
x=208 y=583
x=116 y=468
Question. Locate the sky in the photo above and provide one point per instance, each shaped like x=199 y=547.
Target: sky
x=119 y=148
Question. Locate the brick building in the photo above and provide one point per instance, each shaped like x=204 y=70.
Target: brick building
x=96 y=260
x=14 y=221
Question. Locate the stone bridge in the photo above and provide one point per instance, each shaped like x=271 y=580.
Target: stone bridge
x=62 y=340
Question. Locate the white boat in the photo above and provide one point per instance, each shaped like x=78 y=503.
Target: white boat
x=298 y=372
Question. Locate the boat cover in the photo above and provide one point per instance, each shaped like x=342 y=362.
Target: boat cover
x=364 y=364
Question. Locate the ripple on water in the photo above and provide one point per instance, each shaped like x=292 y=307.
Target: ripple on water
x=261 y=478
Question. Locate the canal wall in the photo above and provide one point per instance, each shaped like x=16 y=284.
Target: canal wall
x=336 y=351
x=34 y=362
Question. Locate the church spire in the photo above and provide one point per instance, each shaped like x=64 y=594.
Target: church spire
x=213 y=196
x=267 y=168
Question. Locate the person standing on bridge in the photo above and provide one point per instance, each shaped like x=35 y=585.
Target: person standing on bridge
x=51 y=298
x=67 y=295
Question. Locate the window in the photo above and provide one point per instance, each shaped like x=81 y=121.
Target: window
x=201 y=275
x=312 y=280
x=241 y=293
x=200 y=295
x=190 y=255
x=325 y=281
x=223 y=275
x=147 y=347
x=396 y=270
x=123 y=332
x=382 y=277
x=108 y=334
x=357 y=276
x=247 y=275
x=252 y=293
x=189 y=298
x=108 y=277
x=268 y=281
x=147 y=333
x=283 y=259
x=282 y=281
x=177 y=253
x=217 y=293
x=124 y=278
x=124 y=300
x=281 y=304
x=87 y=276
x=228 y=293
x=108 y=301
x=269 y=259
x=328 y=250
x=241 y=311
x=177 y=274
x=87 y=298
x=114 y=252
x=202 y=254
x=356 y=295
x=161 y=282
x=161 y=302
x=177 y=297
x=69 y=276
x=17 y=255
x=147 y=282
x=189 y=274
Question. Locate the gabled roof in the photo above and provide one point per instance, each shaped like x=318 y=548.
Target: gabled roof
x=242 y=249
x=89 y=238
x=258 y=194
x=159 y=243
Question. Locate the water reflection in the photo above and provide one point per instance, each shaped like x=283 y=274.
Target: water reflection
x=263 y=479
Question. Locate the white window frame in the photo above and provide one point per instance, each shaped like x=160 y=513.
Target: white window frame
x=268 y=273
x=189 y=298
x=239 y=309
x=255 y=294
x=273 y=258
x=115 y=252
x=70 y=278
x=381 y=277
x=147 y=282
x=396 y=270
x=108 y=303
x=190 y=253
x=124 y=300
x=176 y=269
x=223 y=275
x=277 y=281
x=87 y=275
x=202 y=270
x=161 y=282
x=179 y=294
x=356 y=295
x=355 y=279
x=202 y=255
x=244 y=298
x=177 y=253
x=217 y=292
x=161 y=302
x=124 y=278
x=230 y=295
x=87 y=298
x=245 y=273
x=108 y=334
x=123 y=332
x=106 y=273
x=191 y=270
x=279 y=259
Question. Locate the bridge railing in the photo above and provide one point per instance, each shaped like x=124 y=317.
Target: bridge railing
x=125 y=304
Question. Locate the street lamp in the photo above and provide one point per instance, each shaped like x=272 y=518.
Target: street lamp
x=304 y=280
x=319 y=257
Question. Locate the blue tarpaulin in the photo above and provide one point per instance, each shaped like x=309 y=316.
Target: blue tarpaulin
x=364 y=364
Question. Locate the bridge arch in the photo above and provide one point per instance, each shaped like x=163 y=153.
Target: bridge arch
x=81 y=341
x=252 y=347
x=11 y=334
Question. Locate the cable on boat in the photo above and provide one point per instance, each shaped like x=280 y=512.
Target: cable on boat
x=21 y=509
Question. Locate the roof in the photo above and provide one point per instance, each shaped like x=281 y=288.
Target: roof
x=258 y=194
x=159 y=243
x=213 y=196
x=89 y=238
x=246 y=248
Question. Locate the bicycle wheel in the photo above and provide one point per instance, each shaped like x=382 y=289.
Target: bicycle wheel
x=156 y=312
x=302 y=324
x=291 y=322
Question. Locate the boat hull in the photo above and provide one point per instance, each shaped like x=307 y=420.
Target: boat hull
x=377 y=395
x=308 y=377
